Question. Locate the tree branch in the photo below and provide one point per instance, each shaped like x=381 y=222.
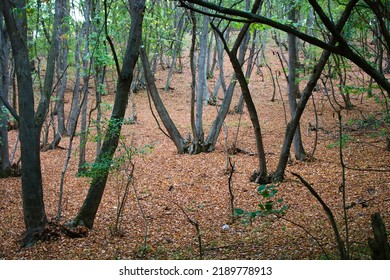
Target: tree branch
x=340 y=243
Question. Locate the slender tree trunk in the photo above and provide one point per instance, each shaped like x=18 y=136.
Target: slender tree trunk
x=241 y=58
x=202 y=89
x=47 y=90
x=239 y=108
x=75 y=108
x=221 y=79
x=62 y=65
x=86 y=75
x=32 y=194
x=202 y=95
x=193 y=71
x=87 y=213
x=293 y=89
x=176 y=49
x=174 y=134
x=4 y=85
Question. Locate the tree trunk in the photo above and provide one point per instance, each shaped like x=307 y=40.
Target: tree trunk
x=174 y=134
x=75 y=108
x=379 y=245
x=47 y=90
x=221 y=79
x=293 y=88
x=32 y=195
x=278 y=175
x=86 y=75
x=62 y=65
x=177 y=47
x=87 y=213
x=4 y=85
x=260 y=176
x=202 y=95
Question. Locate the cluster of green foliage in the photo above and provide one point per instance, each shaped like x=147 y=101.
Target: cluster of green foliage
x=269 y=205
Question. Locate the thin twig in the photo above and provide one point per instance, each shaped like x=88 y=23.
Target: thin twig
x=340 y=243
x=308 y=233
x=196 y=225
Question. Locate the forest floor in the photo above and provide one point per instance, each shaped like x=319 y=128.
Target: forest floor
x=172 y=188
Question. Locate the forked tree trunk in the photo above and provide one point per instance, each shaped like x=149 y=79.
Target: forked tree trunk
x=261 y=175
x=174 y=134
x=202 y=95
x=32 y=195
x=87 y=213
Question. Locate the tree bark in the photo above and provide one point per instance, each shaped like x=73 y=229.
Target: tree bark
x=161 y=110
x=87 y=213
x=32 y=195
x=62 y=65
x=47 y=90
x=379 y=245
x=293 y=88
x=202 y=94
x=86 y=75
x=4 y=85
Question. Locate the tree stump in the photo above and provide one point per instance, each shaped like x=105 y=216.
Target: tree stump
x=379 y=245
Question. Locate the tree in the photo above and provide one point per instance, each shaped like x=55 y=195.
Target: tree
x=261 y=176
x=101 y=167
x=342 y=48
x=4 y=85
x=30 y=120
x=307 y=92
x=293 y=86
x=337 y=44
x=35 y=220
x=62 y=67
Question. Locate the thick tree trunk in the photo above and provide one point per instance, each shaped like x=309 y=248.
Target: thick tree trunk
x=379 y=245
x=32 y=194
x=87 y=213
